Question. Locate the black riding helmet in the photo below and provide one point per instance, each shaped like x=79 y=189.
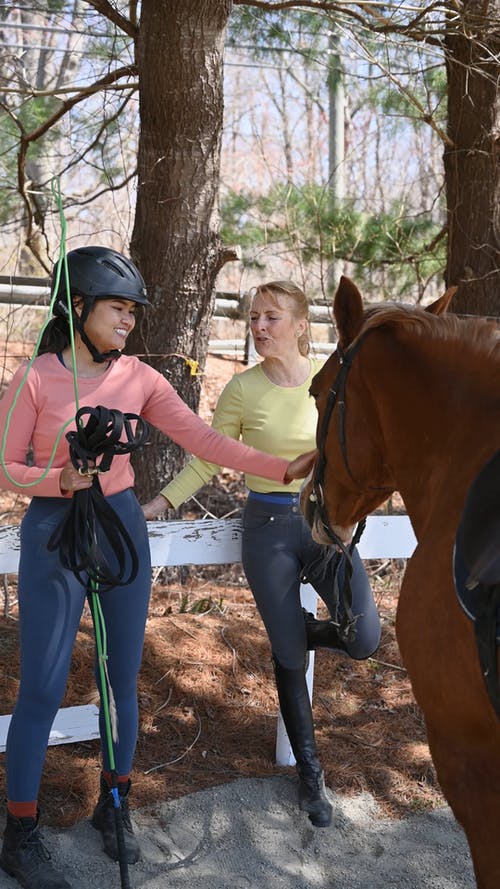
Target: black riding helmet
x=97 y=273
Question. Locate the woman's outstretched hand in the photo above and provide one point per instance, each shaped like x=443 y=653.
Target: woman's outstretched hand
x=157 y=506
x=301 y=466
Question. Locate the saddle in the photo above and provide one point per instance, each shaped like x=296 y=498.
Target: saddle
x=476 y=568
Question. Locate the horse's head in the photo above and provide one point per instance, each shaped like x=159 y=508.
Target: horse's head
x=351 y=477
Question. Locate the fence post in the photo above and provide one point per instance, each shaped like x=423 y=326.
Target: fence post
x=284 y=755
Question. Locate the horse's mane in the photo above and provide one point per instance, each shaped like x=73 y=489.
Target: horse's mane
x=479 y=335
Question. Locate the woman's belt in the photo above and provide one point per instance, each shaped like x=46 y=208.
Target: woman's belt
x=275 y=497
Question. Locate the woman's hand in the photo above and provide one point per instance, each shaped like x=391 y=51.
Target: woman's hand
x=301 y=466
x=70 y=479
x=156 y=507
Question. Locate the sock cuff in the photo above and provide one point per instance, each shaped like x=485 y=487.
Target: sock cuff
x=23 y=810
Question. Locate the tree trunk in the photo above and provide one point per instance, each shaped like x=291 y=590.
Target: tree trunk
x=175 y=241
x=472 y=164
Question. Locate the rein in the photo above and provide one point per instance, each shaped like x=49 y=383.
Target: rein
x=336 y=397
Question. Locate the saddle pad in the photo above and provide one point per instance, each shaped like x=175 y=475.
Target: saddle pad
x=469 y=598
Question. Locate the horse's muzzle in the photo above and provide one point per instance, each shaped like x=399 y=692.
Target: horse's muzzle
x=320 y=533
x=314 y=519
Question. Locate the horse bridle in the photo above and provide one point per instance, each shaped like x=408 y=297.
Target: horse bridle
x=335 y=397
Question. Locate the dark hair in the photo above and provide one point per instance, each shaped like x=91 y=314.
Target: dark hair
x=55 y=337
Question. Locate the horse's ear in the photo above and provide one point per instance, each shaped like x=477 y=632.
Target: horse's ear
x=440 y=306
x=348 y=311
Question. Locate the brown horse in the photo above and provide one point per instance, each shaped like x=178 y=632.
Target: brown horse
x=410 y=402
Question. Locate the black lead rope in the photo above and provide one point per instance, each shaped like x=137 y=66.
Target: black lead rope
x=340 y=606
x=92 y=525
x=347 y=625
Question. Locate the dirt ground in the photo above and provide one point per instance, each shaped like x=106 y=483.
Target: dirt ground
x=207 y=700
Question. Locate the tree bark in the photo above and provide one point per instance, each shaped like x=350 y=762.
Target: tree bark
x=175 y=238
x=472 y=163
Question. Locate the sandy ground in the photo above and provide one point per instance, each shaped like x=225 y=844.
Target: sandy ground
x=250 y=833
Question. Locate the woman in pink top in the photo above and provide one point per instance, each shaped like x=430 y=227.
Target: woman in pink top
x=106 y=289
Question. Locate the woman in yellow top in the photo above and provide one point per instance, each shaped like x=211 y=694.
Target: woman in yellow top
x=268 y=406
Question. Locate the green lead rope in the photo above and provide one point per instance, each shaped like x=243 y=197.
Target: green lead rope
x=109 y=713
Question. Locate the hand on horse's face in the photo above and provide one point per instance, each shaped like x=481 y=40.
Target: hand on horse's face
x=301 y=466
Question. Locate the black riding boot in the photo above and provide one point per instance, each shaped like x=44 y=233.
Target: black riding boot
x=297 y=716
x=25 y=857
x=321 y=633
x=103 y=819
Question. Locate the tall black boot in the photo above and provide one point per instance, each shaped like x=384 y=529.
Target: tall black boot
x=25 y=857
x=321 y=633
x=297 y=716
x=103 y=819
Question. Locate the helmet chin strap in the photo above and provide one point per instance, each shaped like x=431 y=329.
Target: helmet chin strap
x=98 y=357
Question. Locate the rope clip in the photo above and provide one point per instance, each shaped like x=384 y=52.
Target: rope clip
x=89 y=471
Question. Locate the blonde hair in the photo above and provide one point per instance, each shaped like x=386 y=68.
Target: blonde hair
x=299 y=305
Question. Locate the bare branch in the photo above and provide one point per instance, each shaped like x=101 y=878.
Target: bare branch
x=127 y=71
x=27 y=92
x=428 y=22
x=112 y=14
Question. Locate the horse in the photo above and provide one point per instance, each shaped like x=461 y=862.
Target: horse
x=410 y=402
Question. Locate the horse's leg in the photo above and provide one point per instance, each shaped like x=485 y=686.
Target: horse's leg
x=470 y=780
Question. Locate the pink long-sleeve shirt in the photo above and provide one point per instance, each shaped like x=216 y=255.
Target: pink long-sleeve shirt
x=47 y=401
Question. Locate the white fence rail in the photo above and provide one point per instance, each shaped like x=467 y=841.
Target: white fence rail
x=207 y=542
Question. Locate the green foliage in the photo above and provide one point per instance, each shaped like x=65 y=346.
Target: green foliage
x=55 y=6
x=239 y=223
x=35 y=112
x=305 y=222
x=273 y=30
x=429 y=92
x=204 y=605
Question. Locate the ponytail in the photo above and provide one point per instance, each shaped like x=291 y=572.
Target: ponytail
x=55 y=337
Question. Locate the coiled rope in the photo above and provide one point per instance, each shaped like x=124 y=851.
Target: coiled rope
x=92 y=526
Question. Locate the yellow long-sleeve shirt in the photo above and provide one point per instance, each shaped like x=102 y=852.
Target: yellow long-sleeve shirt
x=276 y=419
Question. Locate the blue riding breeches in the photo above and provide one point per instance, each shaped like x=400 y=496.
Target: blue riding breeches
x=51 y=602
x=277 y=548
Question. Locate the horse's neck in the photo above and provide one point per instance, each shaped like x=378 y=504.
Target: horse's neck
x=442 y=422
